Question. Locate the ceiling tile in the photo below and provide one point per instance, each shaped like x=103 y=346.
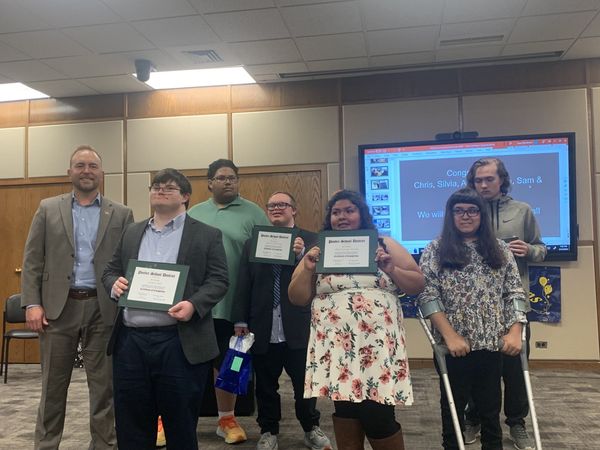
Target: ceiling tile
x=182 y=56
x=332 y=47
x=80 y=13
x=5 y=80
x=382 y=14
x=302 y=2
x=403 y=59
x=150 y=9
x=338 y=64
x=536 y=47
x=329 y=18
x=501 y=27
x=115 y=84
x=177 y=31
x=550 y=27
x=118 y=37
x=24 y=71
x=466 y=53
x=8 y=53
x=535 y=7
x=593 y=29
x=472 y=10
x=62 y=88
x=211 y=6
x=584 y=48
x=44 y=44
x=248 y=25
x=160 y=59
x=264 y=69
x=91 y=65
x=15 y=17
x=402 y=40
x=267 y=52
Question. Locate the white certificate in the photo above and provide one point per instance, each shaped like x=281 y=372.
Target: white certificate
x=153 y=285
x=272 y=245
x=342 y=251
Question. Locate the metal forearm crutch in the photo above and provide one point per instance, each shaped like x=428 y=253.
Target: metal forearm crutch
x=440 y=352
x=525 y=366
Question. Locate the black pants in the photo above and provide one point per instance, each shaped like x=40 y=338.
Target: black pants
x=268 y=368
x=476 y=375
x=516 y=406
x=378 y=420
x=152 y=377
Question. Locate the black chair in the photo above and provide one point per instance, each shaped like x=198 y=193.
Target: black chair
x=13 y=313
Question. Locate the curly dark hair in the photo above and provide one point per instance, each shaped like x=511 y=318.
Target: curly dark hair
x=218 y=164
x=366 y=220
x=453 y=252
x=501 y=169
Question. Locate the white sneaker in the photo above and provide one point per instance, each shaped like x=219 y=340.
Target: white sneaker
x=267 y=441
x=316 y=439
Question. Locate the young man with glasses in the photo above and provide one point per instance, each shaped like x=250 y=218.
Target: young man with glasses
x=235 y=217
x=514 y=222
x=281 y=331
x=162 y=358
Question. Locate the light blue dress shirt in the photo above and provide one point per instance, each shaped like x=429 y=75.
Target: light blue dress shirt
x=86 y=219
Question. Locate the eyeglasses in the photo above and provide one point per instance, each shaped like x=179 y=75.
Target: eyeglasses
x=166 y=189
x=279 y=205
x=470 y=212
x=222 y=179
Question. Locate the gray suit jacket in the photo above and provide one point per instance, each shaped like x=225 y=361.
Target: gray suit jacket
x=50 y=253
x=202 y=250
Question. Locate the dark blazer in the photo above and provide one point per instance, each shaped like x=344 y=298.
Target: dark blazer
x=50 y=251
x=202 y=250
x=254 y=298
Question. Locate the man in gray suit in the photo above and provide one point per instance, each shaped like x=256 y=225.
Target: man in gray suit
x=71 y=239
x=162 y=358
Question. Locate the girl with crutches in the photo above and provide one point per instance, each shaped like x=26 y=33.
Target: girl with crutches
x=474 y=299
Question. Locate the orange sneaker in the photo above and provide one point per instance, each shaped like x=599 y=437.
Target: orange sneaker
x=161 y=440
x=230 y=430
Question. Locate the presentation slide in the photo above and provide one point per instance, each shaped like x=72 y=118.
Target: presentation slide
x=407 y=187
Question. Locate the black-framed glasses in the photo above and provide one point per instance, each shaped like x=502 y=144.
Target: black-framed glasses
x=222 y=179
x=470 y=212
x=278 y=205
x=166 y=189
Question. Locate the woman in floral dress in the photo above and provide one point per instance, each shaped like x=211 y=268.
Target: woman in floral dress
x=357 y=354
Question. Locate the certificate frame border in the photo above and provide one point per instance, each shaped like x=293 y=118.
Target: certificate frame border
x=373 y=242
x=257 y=229
x=124 y=302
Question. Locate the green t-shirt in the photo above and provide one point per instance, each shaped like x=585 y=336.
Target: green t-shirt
x=236 y=221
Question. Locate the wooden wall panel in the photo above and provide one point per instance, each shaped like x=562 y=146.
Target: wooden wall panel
x=304 y=185
x=400 y=85
x=178 y=102
x=255 y=96
x=516 y=77
x=77 y=109
x=13 y=114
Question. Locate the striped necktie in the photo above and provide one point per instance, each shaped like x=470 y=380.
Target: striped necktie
x=276 y=285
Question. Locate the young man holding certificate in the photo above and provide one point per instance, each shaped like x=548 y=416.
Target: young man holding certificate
x=281 y=329
x=162 y=357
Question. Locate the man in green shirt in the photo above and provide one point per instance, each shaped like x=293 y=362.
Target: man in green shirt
x=235 y=217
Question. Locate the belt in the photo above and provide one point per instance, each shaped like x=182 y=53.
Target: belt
x=82 y=294
x=166 y=328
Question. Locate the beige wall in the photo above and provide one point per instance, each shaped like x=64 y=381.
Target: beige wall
x=331 y=134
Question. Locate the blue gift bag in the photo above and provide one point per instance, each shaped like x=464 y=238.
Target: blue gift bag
x=235 y=371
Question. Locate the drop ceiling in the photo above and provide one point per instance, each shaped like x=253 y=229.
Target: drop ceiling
x=87 y=47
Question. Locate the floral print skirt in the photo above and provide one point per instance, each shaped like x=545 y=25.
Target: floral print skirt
x=357 y=344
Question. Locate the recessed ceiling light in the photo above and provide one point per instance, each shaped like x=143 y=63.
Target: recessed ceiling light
x=201 y=77
x=10 y=92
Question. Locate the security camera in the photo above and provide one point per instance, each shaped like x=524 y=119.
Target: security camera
x=143 y=67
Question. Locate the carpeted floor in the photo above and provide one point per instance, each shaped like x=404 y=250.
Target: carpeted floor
x=567 y=402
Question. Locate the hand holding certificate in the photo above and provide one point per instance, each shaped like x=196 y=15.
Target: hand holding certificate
x=347 y=251
x=155 y=286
